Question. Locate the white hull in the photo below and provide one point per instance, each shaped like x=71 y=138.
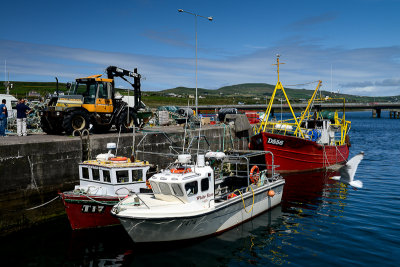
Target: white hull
x=218 y=218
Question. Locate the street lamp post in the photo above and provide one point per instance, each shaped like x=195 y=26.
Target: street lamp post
x=195 y=22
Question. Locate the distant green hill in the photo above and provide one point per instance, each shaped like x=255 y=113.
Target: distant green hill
x=22 y=89
x=262 y=90
x=248 y=93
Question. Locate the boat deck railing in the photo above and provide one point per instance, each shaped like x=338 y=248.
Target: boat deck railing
x=289 y=128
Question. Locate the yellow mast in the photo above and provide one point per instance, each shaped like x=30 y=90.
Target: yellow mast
x=307 y=111
x=278 y=86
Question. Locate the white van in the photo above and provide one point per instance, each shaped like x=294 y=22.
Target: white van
x=11 y=103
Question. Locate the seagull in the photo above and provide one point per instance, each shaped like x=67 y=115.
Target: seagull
x=348 y=171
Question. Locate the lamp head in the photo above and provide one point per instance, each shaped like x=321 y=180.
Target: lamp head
x=210 y=18
x=180 y=10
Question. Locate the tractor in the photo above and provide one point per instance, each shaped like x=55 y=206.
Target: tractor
x=93 y=101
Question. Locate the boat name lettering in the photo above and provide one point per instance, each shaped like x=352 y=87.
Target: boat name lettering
x=93 y=208
x=276 y=142
x=204 y=196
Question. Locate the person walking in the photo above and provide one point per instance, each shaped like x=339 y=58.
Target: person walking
x=22 y=111
x=3 y=117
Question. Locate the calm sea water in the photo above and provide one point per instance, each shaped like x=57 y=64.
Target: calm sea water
x=319 y=223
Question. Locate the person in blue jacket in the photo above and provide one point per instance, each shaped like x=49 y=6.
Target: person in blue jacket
x=3 y=118
x=22 y=111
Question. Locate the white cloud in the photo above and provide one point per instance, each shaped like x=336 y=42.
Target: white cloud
x=367 y=71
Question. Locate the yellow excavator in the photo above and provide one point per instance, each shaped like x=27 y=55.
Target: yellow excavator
x=93 y=100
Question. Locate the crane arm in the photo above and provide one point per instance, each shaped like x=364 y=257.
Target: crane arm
x=113 y=71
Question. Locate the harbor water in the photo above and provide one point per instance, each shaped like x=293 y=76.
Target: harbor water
x=320 y=222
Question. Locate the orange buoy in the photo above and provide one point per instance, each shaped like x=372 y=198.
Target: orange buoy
x=148 y=184
x=271 y=193
x=232 y=195
x=119 y=159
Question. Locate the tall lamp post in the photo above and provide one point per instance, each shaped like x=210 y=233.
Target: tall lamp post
x=195 y=19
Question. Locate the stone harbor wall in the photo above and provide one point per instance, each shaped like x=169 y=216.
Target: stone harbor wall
x=34 y=169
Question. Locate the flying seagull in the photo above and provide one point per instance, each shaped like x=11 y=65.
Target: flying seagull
x=348 y=171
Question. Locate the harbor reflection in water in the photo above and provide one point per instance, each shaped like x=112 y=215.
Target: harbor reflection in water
x=262 y=240
x=321 y=222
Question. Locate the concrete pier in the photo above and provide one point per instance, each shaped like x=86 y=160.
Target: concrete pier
x=34 y=168
x=394 y=114
x=376 y=113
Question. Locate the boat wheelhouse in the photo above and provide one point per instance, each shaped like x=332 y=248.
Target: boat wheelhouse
x=103 y=183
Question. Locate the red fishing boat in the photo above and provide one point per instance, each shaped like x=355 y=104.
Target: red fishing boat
x=103 y=183
x=314 y=140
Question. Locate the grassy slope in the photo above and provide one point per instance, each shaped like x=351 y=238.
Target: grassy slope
x=226 y=95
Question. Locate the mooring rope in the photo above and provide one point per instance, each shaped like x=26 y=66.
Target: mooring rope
x=244 y=205
x=43 y=203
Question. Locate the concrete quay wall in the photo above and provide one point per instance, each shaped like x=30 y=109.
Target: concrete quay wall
x=34 y=168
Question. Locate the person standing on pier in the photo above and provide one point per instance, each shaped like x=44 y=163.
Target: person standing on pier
x=22 y=111
x=3 y=118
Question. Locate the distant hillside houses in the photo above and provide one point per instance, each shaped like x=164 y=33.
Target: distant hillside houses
x=173 y=95
x=33 y=93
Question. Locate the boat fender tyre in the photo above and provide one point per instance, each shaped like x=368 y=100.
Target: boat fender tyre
x=254 y=176
x=76 y=120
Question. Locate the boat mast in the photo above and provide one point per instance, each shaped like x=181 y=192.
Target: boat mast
x=278 y=86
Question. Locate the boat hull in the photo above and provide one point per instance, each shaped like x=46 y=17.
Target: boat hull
x=215 y=220
x=88 y=211
x=293 y=154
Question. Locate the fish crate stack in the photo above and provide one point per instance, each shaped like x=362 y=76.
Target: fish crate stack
x=163 y=117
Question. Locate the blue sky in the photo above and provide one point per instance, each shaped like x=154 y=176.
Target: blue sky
x=356 y=42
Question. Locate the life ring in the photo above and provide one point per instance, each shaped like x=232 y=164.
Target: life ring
x=119 y=159
x=254 y=177
x=181 y=170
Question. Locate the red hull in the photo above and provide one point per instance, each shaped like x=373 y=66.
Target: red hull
x=83 y=212
x=294 y=154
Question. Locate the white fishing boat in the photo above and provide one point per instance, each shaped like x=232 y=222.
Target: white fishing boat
x=103 y=182
x=191 y=200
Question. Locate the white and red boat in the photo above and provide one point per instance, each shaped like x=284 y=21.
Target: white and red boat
x=314 y=140
x=103 y=183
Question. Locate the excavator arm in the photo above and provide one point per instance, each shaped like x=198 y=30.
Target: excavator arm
x=113 y=71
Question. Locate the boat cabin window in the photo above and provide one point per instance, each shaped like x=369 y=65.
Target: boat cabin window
x=177 y=190
x=106 y=176
x=122 y=176
x=85 y=173
x=96 y=174
x=205 y=184
x=155 y=188
x=137 y=175
x=191 y=188
x=165 y=189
